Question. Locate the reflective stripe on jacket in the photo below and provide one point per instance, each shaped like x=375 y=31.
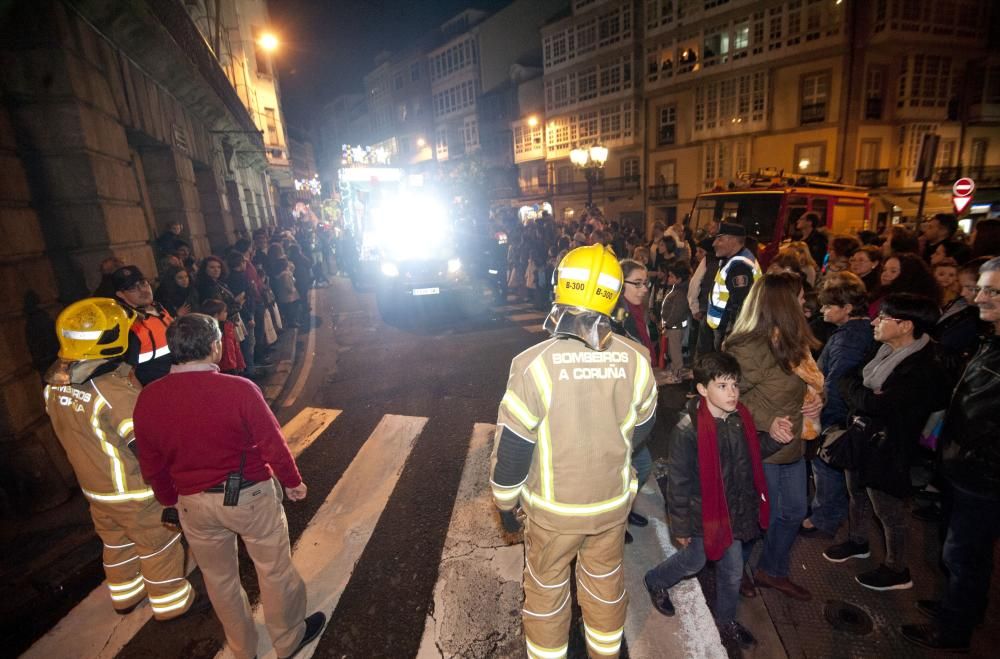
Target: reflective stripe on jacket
x=93 y=422
x=720 y=292
x=152 y=334
x=575 y=410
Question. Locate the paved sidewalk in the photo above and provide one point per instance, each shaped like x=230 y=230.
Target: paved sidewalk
x=53 y=558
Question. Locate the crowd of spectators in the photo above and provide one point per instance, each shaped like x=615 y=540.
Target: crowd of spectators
x=256 y=289
x=881 y=332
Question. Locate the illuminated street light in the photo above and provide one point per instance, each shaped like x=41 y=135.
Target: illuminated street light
x=268 y=41
x=589 y=161
x=532 y=121
x=421 y=142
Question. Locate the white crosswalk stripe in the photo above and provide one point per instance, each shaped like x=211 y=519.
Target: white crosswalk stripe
x=479 y=582
x=326 y=553
x=92 y=628
x=526 y=315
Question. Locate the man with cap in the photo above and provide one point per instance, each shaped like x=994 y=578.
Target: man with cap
x=576 y=408
x=90 y=396
x=148 y=352
x=738 y=270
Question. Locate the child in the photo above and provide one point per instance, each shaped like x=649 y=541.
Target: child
x=716 y=493
x=231 y=361
x=285 y=292
x=674 y=315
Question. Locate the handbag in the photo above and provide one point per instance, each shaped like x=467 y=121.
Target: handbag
x=849 y=448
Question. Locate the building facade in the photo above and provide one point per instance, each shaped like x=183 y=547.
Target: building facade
x=116 y=119
x=592 y=96
x=842 y=91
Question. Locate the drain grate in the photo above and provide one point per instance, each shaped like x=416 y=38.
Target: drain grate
x=846 y=617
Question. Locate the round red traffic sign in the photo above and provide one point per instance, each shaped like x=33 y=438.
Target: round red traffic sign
x=963 y=187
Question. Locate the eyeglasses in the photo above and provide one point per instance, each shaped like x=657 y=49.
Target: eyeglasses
x=987 y=291
x=640 y=284
x=882 y=318
x=137 y=285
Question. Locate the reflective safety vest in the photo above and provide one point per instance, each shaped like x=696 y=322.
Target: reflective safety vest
x=93 y=422
x=720 y=293
x=575 y=410
x=152 y=334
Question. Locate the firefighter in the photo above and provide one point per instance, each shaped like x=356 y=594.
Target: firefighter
x=576 y=407
x=148 y=352
x=89 y=396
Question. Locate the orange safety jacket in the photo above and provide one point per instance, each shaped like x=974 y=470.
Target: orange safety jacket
x=148 y=351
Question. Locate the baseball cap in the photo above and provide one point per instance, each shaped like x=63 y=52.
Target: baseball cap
x=126 y=277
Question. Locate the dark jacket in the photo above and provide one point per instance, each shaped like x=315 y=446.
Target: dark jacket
x=817 y=242
x=846 y=350
x=970 y=436
x=674 y=311
x=918 y=386
x=624 y=324
x=958 y=329
x=684 y=483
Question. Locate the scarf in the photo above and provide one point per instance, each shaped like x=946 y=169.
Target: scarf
x=717 y=533
x=638 y=314
x=878 y=370
x=809 y=372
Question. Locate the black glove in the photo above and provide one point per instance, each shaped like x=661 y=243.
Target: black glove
x=509 y=520
x=171 y=519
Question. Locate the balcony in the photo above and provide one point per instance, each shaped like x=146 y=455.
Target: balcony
x=983 y=175
x=871 y=178
x=663 y=192
x=603 y=186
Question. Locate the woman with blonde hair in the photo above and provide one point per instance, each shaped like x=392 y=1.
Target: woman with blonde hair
x=807 y=264
x=783 y=389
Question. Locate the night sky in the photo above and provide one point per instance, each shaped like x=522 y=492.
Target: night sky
x=329 y=45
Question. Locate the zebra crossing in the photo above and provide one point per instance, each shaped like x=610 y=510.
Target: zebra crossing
x=525 y=315
x=475 y=609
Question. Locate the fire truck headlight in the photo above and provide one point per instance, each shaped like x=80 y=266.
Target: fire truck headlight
x=390 y=269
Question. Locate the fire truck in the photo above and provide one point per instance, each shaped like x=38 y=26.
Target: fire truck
x=768 y=208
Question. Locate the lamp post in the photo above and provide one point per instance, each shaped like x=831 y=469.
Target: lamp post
x=589 y=160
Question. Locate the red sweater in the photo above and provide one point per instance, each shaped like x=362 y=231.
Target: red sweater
x=192 y=426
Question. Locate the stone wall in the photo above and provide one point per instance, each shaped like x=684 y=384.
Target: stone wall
x=96 y=157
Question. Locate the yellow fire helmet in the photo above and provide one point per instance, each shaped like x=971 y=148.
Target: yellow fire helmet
x=590 y=278
x=94 y=328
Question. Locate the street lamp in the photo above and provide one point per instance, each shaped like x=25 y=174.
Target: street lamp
x=533 y=121
x=589 y=161
x=268 y=41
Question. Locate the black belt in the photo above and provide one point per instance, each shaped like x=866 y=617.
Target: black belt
x=221 y=487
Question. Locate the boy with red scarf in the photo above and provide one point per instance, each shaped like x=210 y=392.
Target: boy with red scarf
x=716 y=493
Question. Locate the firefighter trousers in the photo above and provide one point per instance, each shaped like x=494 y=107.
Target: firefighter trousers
x=600 y=581
x=142 y=558
x=259 y=519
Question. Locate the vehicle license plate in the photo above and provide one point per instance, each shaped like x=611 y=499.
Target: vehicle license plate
x=426 y=291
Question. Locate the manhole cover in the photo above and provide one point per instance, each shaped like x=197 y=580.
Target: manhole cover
x=846 y=617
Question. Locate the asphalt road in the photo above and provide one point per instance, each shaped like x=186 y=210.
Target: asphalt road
x=444 y=367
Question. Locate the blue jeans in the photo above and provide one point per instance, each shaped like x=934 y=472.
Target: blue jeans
x=973 y=529
x=642 y=460
x=829 y=504
x=786 y=490
x=689 y=561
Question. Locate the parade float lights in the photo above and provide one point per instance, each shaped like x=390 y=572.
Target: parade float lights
x=412 y=226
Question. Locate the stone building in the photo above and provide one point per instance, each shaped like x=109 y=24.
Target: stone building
x=115 y=119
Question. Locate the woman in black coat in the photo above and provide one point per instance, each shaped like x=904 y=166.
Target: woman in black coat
x=895 y=393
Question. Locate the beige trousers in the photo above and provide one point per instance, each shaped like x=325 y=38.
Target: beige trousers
x=142 y=558
x=600 y=581
x=259 y=519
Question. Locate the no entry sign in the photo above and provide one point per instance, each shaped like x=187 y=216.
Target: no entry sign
x=961 y=193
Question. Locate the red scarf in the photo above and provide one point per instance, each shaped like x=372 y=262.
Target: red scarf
x=638 y=314
x=717 y=533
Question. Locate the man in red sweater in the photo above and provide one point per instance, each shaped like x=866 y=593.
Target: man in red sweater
x=209 y=445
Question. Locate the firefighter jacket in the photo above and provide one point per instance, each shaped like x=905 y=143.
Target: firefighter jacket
x=148 y=351
x=568 y=424
x=93 y=422
x=732 y=284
